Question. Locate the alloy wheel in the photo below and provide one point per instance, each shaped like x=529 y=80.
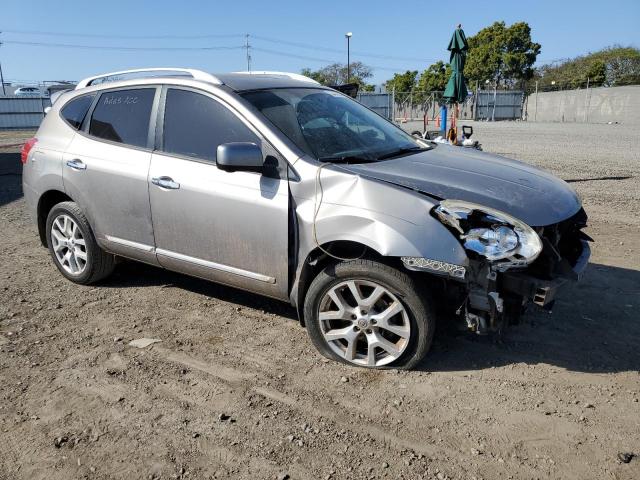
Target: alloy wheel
x=364 y=323
x=68 y=244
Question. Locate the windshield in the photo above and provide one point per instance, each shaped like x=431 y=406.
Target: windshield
x=332 y=127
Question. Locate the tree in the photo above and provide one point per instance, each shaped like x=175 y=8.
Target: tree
x=336 y=74
x=623 y=65
x=597 y=73
x=611 y=66
x=402 y=82
x=435 y=77
x=501 y=54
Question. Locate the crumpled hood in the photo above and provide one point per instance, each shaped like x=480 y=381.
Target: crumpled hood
x=525 y=192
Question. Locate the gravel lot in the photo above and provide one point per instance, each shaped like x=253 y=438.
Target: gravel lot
x=235 y=389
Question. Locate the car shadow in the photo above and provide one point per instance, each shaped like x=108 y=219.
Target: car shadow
x=133 y=274
x=10 y=177
x=594 y=327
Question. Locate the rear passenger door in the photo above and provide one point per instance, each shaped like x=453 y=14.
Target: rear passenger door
x=106 y=166
x=230 y=227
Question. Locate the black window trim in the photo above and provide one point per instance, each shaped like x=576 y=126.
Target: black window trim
x=89 y=110
x=84 y=129
x=284 y=166
x=160 y=123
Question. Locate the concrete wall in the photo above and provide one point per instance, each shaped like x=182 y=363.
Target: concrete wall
x=595 y=105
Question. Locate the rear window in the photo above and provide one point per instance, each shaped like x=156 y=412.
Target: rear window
x=123 y=116
x=75 y=111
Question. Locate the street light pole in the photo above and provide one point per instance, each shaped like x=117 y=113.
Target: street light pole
x=348 y=35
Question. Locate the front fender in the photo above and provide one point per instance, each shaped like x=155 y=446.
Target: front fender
x=393 y=221
x=389 y=236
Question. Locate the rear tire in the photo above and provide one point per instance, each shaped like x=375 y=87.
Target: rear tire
x=369 y=314
x=73 y=247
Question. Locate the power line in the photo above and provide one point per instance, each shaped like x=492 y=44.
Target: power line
x=293 y=55
x=317 y=59
x=106 y=47
x=104 y=35
x=335 y=50
x=246 y=47
x=226 y=35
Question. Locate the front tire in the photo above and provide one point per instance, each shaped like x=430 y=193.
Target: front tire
x=369 y=314
x=73 y=247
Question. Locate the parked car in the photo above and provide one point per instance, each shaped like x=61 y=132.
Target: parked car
x=27 y=92
x=272 y=183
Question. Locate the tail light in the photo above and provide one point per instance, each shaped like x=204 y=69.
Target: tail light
x=26 y=148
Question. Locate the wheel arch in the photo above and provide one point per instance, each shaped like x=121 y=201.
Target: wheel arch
x=318 y=259
x=46 y=202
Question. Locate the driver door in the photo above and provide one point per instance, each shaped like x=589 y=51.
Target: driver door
x=229 y=227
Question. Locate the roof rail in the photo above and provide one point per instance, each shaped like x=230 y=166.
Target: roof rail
x=295 y=76
x=195 y=74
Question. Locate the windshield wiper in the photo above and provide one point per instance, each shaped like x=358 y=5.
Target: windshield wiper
x=401 y=151
x=347 y=159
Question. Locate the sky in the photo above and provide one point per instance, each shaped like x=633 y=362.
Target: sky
x=284 y=35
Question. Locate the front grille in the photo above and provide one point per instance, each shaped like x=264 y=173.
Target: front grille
x=562 y=246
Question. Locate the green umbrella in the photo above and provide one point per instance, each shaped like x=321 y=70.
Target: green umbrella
x=456 y=91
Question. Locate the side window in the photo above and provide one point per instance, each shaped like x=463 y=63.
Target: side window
x=123 y=116
x=75 y=110
x=194 y=125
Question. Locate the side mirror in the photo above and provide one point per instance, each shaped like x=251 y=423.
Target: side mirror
x=243 y=156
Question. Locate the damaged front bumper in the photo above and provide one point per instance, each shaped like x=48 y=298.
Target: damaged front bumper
x=497 y=297
x=492 y=295
x=543 y=292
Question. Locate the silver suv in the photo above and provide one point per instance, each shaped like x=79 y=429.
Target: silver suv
x=274 y=184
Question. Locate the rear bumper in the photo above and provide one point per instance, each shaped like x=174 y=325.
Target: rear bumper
x=542 y=292
x=31 y=198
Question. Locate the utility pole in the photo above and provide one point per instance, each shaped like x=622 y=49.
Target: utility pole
x=1 y=76
x=475 y=101
x=247 y=47
x=348 y=36
x=535 y=116
x=495 y=98
x=588 y=104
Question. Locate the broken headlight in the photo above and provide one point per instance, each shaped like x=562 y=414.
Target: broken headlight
x=490 y=233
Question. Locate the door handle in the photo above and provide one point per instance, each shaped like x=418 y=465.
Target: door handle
x=165 y=182
x=76 y=164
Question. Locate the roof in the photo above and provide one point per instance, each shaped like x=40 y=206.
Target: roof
x=239 y=81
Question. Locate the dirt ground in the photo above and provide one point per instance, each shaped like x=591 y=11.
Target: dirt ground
x=236 y=390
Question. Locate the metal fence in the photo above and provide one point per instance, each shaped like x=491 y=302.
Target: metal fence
x=414 y=106
x=25 y=112
x=400 y=107
x=381 y=103
x=499 y=105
